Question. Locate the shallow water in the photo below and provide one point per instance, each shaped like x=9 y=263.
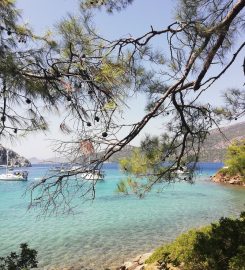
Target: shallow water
x=113 y=228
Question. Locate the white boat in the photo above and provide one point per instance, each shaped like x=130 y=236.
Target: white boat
x=181 y=172
x=59 y=168
x=14 y=176
x=93 y=175
x=73 y=168
x=64 y=168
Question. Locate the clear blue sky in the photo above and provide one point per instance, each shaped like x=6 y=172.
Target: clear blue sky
x=135 y=20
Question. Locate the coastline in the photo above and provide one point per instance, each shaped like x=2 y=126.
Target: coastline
x=137 y=263
x=222 y=178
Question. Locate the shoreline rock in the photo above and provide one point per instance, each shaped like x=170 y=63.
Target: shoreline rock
x=227 y=179
x=138 y=263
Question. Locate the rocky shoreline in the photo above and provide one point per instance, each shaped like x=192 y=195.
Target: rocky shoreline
x=227 y=179
x=138 y=263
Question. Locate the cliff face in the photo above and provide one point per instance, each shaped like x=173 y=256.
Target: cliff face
x=14 y=159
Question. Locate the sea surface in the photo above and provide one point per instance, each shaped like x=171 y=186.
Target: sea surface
x=112 y=228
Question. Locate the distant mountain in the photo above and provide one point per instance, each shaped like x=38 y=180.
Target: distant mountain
x=14 y=159
x=35 y=160
x=115 y=158
x=56 y=160
x=215 y=146
x=125 y=152
x=213 y=149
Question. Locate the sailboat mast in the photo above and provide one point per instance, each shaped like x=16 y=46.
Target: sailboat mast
x=7 y=152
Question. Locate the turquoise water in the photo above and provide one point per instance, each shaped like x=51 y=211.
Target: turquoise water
x=112 y=228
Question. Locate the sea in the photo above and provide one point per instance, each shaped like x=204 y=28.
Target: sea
x=112 y=228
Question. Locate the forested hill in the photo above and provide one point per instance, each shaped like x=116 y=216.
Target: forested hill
x=14 y=159
x=214 y=147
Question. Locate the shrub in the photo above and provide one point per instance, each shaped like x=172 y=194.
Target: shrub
x=180 y=250
x=25 y=260
x=220 y=246
x=235 y=159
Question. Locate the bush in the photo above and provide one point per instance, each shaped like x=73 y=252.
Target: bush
x=225 y=171
x=26 y=260
x=235 y=159
x=181 y=250
x=220 y=246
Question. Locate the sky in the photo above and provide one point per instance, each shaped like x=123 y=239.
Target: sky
x=135 y=20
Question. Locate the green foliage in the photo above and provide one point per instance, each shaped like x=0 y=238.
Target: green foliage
x=155 y=161
x=235 y=159
x=238 y=261
x=8 y=13
x=140 y=164
x=21 y=81
x=25 y=260
x=216 y=247
x=83 y=75
x=136 y=164
x=124 y=185
x=225 y=171
x=148 y=159
x=234 y=104
x=109 y=5
x=111 y=73
x=181 y=249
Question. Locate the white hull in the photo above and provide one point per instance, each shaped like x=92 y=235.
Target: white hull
x=91 y=176
x=16 y=176
x=11 y=177
x=179 y=172
x=64 y=169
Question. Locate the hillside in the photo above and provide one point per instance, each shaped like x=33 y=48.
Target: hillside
x=214 y=147
x=35 y=160
x=216 y=144
x=125 y=152
x=14 y=159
